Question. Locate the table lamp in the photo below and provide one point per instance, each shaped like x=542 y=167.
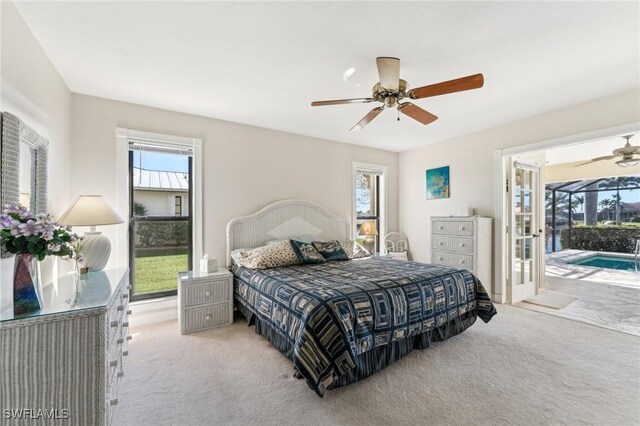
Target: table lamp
x=92 y=210
x=369 y=230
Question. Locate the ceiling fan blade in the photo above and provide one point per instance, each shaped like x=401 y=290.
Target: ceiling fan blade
x=389 y=72
x=367 y=118
x=342 y=101
x=593 y=160
x=417 y=113
x=475 y=81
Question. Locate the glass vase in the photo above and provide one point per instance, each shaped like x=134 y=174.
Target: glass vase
x=26 y=284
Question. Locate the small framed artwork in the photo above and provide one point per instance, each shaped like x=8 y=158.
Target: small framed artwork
x=438 y=183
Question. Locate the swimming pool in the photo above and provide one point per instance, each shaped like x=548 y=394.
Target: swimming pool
x=610 y=262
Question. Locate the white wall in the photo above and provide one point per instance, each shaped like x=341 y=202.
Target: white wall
x=33 y=90
x=471 y=161
x=158 y=203
x=245 y=167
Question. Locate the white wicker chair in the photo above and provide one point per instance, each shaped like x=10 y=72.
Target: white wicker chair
x=396 y=245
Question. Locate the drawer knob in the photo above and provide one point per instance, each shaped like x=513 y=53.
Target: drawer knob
x=463 y=228
x=125 y=324
x=462 y=262
x=114 y=324
x=207 y=293
x=114 y=401
x=113 y=363
x=462 y=245
x=129 y=312
x=129 y=337
x=440 y=259
x=207 y=318
x=441 y=243
x=120 y=341
x=125 y=353
x=125 y=296
x=441 y=227
x=120 y=307
x=120 y=373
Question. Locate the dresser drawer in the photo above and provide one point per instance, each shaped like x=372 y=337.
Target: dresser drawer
x=453 y=260
x=205 y=293
x=462 y=245
x=207 y=316
x=464 y=229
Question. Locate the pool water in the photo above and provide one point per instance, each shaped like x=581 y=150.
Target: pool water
x=610 y=262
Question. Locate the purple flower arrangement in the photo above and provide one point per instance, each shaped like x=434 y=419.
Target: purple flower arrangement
x=23 y=232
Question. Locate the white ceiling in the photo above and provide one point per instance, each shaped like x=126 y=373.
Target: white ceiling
x=263 y=63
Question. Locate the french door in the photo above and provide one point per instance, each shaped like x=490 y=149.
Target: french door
x=523 y=229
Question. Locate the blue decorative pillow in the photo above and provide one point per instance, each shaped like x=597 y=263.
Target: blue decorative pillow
x=330 y=250
x=306 y=252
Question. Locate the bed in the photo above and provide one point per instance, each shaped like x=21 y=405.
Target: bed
x=342 y=321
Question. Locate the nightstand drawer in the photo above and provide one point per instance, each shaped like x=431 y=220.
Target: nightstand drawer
x=204 y=293
x=462 y=245
x=464 y=229
x=207 y=316
x=453 y=260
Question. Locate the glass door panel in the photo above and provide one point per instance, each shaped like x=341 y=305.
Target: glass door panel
x=522 y=227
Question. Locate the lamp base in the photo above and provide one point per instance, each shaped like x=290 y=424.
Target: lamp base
x=96 y=249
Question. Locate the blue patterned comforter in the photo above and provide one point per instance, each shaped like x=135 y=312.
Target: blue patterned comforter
x=325 y=316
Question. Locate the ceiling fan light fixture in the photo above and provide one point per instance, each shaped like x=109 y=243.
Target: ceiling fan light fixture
x=628 y=163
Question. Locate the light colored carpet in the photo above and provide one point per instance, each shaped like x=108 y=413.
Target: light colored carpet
x=522 y=368
x=551 y=299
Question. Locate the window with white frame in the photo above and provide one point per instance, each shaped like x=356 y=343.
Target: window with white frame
x=369 y=205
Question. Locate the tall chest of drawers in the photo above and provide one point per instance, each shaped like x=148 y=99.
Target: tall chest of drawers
x=64 y=363
x=464 y=243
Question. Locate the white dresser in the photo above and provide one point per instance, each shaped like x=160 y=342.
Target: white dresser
x=65 y=362
x=464 y=243
x=205 y=300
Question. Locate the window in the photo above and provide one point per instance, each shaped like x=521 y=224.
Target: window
x=178 y=206
x=160 y=222
x=369 y=220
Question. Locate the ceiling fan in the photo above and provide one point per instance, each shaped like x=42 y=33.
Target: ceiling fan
x=630 y=155
x=391 y=89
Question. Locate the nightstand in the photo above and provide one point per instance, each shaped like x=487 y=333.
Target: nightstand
x=204 y=300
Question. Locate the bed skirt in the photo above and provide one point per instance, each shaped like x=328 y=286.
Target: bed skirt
x=370 y=362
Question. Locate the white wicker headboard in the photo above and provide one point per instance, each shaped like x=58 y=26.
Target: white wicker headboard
x=285 y=219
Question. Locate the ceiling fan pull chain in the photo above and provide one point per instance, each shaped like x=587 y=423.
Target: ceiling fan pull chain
x=398 y=110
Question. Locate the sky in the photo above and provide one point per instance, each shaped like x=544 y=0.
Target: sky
x=161 y=161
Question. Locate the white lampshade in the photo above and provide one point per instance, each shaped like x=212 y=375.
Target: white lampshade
x=368 y=228
x=90 y=210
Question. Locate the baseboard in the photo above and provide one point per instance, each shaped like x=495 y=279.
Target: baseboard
x=145 y=312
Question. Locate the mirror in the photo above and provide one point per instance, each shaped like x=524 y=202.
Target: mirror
x=23 y=161
x=25 y=175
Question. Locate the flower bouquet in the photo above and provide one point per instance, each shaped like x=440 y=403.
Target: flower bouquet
x=32 y=238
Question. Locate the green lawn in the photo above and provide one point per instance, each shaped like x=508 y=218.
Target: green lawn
x=159 y=273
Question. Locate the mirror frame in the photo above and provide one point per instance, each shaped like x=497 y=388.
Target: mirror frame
x=16 y=135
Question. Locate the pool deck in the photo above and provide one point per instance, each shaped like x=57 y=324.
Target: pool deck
x=559 y=265
x=607 y=298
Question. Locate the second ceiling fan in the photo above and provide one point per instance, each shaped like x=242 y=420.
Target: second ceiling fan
x=391 y=89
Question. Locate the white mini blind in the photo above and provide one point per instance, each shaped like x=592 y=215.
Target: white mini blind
x=369 y=171
x=155 y=146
